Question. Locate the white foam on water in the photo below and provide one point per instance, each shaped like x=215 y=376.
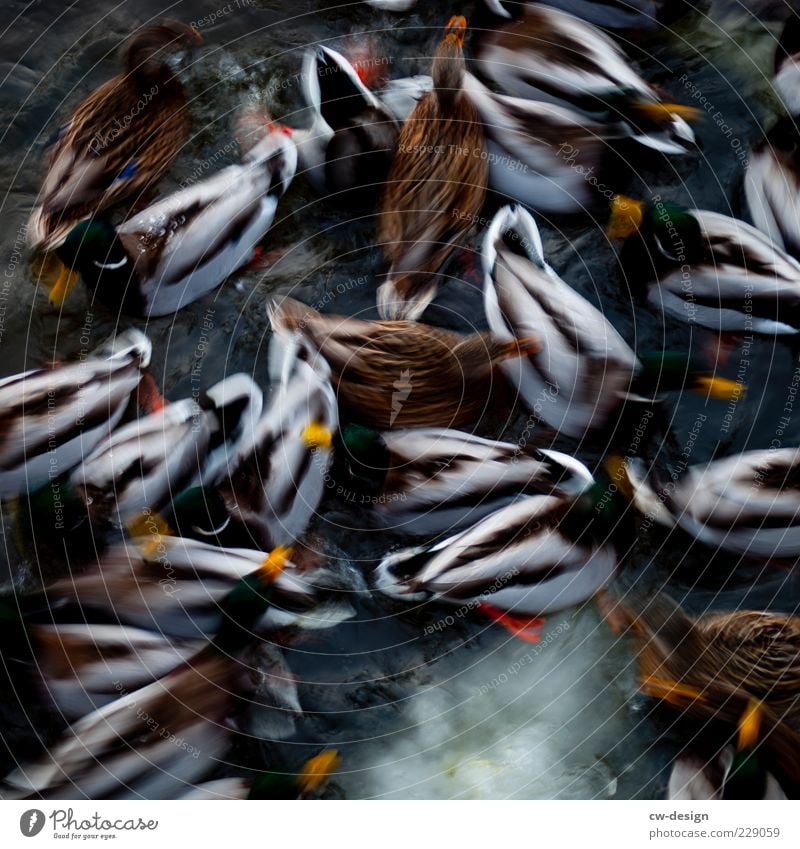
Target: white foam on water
x=521 y=721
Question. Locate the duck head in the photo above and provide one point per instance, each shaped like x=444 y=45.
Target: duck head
x=448 y=62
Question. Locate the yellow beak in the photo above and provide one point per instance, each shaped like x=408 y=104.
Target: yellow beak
x=719 y=388
x=750 y=725
x=317 y=770
x=627 y=215
x=316 y=435
x=275 y=563
x=65 y=283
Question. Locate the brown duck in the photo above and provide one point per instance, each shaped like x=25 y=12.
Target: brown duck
x=120 y=140
x=393 y=374
x=436 y=185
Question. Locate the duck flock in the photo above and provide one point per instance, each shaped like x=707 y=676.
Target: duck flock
x=158 y=637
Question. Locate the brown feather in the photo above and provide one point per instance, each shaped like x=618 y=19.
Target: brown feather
x=727 y=658
x=138 y=116
x=437 y=183
x=401 y=373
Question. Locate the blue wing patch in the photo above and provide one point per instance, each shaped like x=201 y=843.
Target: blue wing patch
x=128 y=171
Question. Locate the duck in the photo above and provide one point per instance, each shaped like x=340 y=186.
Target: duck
x=273 y=478
x=772 y=179
x=187 y=244
x=717 y=665
x=543 y=155
x=706 y=268
x=120 y=140
x=137 y=582
x=537 y=555
x=53 y=416
x=584 y=372
x=400 y=374
x=154 y=741
x=430 y=481
x=745 y=504
x=353 y=134
x=552 y=56
x=436 y=185
x=143 y=464
x=735 y=773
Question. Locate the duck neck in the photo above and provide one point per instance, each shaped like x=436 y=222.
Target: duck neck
x=746 y=778
x=448 y=73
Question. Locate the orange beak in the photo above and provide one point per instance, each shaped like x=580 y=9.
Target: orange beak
x=456 y=29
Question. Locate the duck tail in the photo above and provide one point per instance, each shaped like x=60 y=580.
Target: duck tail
x=516 y=228
x=130 y=342
x=396 y=573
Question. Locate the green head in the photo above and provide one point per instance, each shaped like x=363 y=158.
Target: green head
x=746 y=777
x=668 y=371
x=55 y=508
x=671 y=228
x=88 y=241
x=248 y=601
x=312 y=777
x=199 y=512
x=365 y=456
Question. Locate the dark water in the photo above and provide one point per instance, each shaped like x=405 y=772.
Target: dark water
x=418 y=705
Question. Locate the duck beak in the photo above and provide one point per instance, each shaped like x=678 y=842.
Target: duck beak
x=275 y=563
x=627 y=215
x=65 y=283
x=670 y=691
x=520 y=348
x=719 y=388
x=665 y=112
x=456 y=29
x=617 y=470
x=317 y=770
x=316 y=435
x=153 y=526
x=750 y=725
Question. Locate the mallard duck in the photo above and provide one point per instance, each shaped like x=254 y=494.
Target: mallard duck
x=182 y=247
x=714 y=667
x=772 y=181
x=553 y=56
x=154 y=741
x=436 y=185
x=53 y=416
x=400 y=373
x=430 y=481
x=584 y=371
x=135 y=583
x=143 y=464
x=735 y=773
x=536 y=556
x=274 y=475
x=541 y=154
x=88 y=665
x=746 y=504
x=120 y=140
x=706 y=268
x=352 y=137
